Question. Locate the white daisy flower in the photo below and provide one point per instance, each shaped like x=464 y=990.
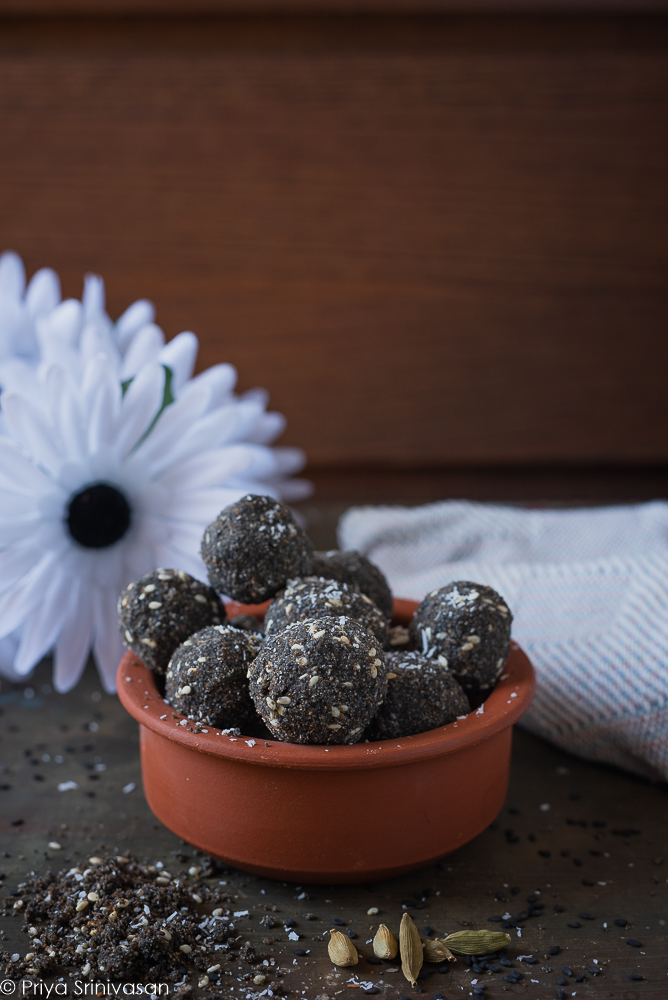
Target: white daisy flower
x=95 y=491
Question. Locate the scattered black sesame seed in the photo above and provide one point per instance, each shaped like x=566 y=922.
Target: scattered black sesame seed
x=337 y=922
x=529 y=960
x=17 y=822
x=567 y=971
x=561 y=995
x=574 y=923
x=299 y=951
x=581 y=978
x=633 y=943
x=599 y=823
x=495 y=919
x=506 y=961
x=578 y=862
x=292 y=923
x=561 y=981
x=545 y=854
x=636 y=977
x=444 y=968
x=558 y=908
x=592 y=970
x=621 y=922
x=554 y=950
x=587 y=881
x=427 y=930
x=587 y=916
x=627 y=831
x=351 y=934
x=372 y=960
x=371 y=989
x=515 y=890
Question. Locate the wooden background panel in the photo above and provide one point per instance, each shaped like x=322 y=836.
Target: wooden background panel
x=435 y=240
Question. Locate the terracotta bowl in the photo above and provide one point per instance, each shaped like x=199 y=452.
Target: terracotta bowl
x=327 y=814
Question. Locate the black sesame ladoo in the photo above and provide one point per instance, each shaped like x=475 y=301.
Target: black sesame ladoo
x=319 y=681
x=206 y=678
x=465 y=627
x=312 y=597
x=160 y=610
x=356 y=570
x=421 y=695
x=253 y=548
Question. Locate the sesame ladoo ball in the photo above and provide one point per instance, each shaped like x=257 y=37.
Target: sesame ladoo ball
x=249 y=623
x=465 y=627
x=356 y=570
x=253 y=548
x=312 y=597
x=206 y=677
x=319 y=681
x=160 y=610
x=421 y=695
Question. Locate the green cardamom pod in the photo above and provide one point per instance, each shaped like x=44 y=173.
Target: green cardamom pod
x=476 y=942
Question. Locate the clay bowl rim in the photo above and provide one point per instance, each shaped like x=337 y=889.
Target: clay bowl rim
x=509 y=700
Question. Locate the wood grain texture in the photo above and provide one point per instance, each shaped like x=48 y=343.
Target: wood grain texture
x=104 y=8
x=435 y=240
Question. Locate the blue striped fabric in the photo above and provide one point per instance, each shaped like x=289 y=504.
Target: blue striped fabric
x=589 y=592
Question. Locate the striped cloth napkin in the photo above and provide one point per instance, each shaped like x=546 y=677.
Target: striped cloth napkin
x=589 y=592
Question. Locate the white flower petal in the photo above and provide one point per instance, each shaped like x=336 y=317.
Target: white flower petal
x=14 y=529
x=65 y=322
x=205 y=469
x=174 y=424
x=143 y=349
x=268 y=427
x=16 y=604
x=108 y=646
x=43 y=625
x=97 y=338
x=74 y=642
x=93 y=298
x=29 y=427
x=293 y=490
x=139 y=408
x=66 y=414
x=18 y=473
x=12 y=274
x=133 y=319
x=8 y=647
x=17 y=560
x=289 y=460
x=201 y=506
x=219 y=381
x=19 y=375
x=180 y=354
x=102 y=396
x=43 y=292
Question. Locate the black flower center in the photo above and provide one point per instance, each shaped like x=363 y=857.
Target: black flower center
x=98 y=516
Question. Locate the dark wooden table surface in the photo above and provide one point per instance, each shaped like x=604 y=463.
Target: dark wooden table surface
x=584 y=837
